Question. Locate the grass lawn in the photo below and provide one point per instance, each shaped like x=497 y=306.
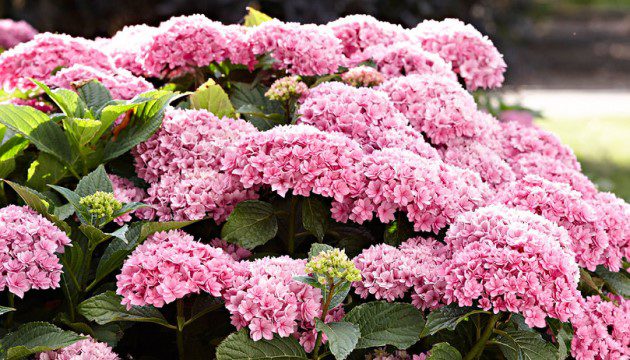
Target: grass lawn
x=603 y=147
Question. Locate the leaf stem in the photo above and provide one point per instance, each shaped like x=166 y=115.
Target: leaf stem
x=11 y=298
x=477 y=349
x=181 y=322
x=292 y=216
x=325 y=305
x=202 y=313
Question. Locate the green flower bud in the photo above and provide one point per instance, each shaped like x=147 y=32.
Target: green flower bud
x=333 y=264
x=101 y=204
x=286 y=88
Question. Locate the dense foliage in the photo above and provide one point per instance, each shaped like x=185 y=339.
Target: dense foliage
x=278 y=190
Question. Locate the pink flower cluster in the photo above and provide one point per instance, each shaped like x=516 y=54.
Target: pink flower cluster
x=406 y=58
x=601 y=330
x=362 y=76
x=121 y=83
x=125 y=47
x=236 y=252
x=170 y=265
x=299 y=49
x=15 y=32
x=382 y=354
x=511 y=260
x=88 y=349
x=362 y=114
x=125 y=192
x=431 y=192
x=182 y=162
x=269 y=301
x=35 y=103
x=28 y=247
x=481 y=159
x=47 y=52
x=473 y=55
x=435 y=105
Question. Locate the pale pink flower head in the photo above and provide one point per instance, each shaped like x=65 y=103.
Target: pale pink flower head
x=425 y=257
x=614 y=216
x=362 y=76
x=406 y=58
x=88 y=349
x=29 y=244
x=481 y=159
x=125 y=192
x=473 y=55
x=171 y=265
x=121 y=83
x=435 y=105
x=601 y=330
x=522 y=117
x=511 y=260
x=15 y=32
x=126 y=47
x=299 y=49
x=235 y=251
x=44 y=54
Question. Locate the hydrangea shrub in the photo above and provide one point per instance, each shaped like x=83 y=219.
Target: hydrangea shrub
x=294 y=191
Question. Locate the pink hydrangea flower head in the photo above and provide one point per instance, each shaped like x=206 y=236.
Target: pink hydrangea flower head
x=269 y=301
x=523 y=117
x=287 y=88
x=122 y=84
x=125 y=192
x=481 y=159
x=385 y=273
x=183 y=43
x=88 y=349
x=614 y=217
x=170 y=265
x=557 y=202
x=29 y=244
x=235 y=251
x=358 y=32
x=299 y=158
x=473 y=55
x=362 y=76
x=601 y=330
x=425 y=257
x=299 y=49
x=239 y=49
x=429 y=191
x=47 y=52
x=15 y=32
x=35 y=103
x=406 y=58
x=511 y=260
x=363 y=114
x=126 y=47
x=435 y=105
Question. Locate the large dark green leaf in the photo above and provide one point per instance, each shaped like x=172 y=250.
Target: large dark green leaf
x=525 y=345
x=46 y=169
x=252 y=223
x=447 y=317
x=95 y=181
x=342 y=337
x=315 y=216
x=239 y=346
x=211 y=96
x=35 y=337
x=619 y=282
x=251 y=103
x=68 y=101
x=95 y=95
x=37 y=202
x=444 y=351
x=106 y=308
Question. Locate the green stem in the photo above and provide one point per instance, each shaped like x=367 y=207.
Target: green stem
x=318 y=341
x=202 y=313
x=181 y=322
x=292 y=216
x=9 y=322
x=477 y=349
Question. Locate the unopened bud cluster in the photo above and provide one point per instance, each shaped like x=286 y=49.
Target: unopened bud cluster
x=101 y=204
x=287 y=88
x=333 y=264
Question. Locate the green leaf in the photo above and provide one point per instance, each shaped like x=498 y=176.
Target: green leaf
x=342 y=337
x=35 y=201
x=35 y=337
x=147 y=118
x=317 y=248
x=4 y=310
x=239 y=346
x=150 y=227
x=252 y=223
x=68 y=101
x=251 y=102
x=106 y=308
x=444 y=351
x=382 y=323
x=525 y=345
x=210 y=96
x=44 y=170
x=617 y=282
x=398 y=231
x=341 y=292
x=315 y=217
x=95 y=181
x=308 y=280
x=95 y=95
x=95 y=236
x=447 y=317
x=35 y=126
x=255 y=17
x=129 y=207
x=9 y=150
x=75 y=200
x=81 y=131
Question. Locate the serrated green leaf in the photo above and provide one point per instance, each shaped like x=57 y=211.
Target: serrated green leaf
x=239 y=346
x=252 y=223
x=308 y=280
x=251 y=103
x=255 y=17
x=444 y=351
x=75 y=200
x=210 y=96
x=35 y=201
x=81 y=131
x=94 y=235
x=525 y=345
x=95 y=95
x=447 y=317
x=617 y=282
x=129 y=207
x=4 y=310
x=342 y=336
x=35 y=337
x=37 y=127
x=341 y=292
x=9 y=150
x=382 y=323
x=46 y=169
x=95 y=181
x=67 y=100
x=106 y=308
x=315 y=217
